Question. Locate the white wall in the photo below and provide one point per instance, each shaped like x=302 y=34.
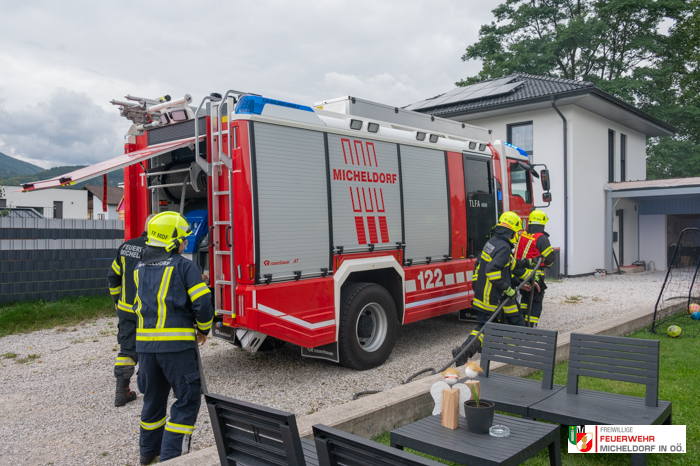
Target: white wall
x=547 y=136
x=112 y=213
x=652 y=239
x=74 y=200
x=588 y=173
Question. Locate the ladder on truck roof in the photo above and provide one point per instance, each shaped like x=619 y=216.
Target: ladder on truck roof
x=222 y=207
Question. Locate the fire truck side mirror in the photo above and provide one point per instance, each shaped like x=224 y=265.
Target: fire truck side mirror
x=544 y=178
x=547 y=197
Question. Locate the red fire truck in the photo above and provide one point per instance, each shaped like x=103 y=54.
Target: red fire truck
x=324 y=226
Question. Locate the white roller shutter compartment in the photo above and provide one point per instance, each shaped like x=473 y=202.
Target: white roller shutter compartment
x=292 y=200
x=365 y=193
x=425 y=204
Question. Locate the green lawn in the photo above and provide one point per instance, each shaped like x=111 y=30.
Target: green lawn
x=679 y=372
x=30 y=316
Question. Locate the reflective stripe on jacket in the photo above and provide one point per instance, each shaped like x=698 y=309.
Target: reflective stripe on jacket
x=121 y=276
x=492 y=274
x=171 y=299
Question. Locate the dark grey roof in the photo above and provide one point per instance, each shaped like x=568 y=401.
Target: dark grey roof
x=531 y=89
x=114 y=195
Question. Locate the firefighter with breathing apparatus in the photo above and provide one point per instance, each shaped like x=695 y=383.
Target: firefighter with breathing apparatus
x=171 y=300
x=123 y=291
x=492 y=282
x=534 y=243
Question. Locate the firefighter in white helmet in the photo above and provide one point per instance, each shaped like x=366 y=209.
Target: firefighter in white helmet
x=534 y=243
x=174 y=312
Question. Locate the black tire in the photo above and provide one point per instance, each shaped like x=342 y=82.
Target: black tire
x=366 y=338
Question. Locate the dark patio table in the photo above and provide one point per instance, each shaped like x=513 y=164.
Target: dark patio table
x=527 y=438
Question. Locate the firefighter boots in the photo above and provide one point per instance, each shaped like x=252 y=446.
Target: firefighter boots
x=123 y=394
x=144 y=460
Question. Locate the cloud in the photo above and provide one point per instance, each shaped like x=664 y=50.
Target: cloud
x=384 y=87
x=68 y=129
x=394 y=51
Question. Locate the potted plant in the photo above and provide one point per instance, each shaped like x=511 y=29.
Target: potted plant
x=479 y=413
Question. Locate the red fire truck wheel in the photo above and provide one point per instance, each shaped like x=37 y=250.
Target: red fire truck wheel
x=367 y=326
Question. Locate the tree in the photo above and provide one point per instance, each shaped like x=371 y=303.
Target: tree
x=618 y=46
x=669 y=91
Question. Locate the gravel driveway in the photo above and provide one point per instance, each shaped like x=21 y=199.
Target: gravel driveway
x=57 y=407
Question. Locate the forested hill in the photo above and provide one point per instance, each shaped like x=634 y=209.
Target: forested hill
x=10 y=166
x=15 y=172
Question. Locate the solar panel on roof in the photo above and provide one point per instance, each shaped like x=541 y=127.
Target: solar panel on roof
x=447 y=97
x=499 y=82
x=504 y=89
x=468 y=93
x=421 y=104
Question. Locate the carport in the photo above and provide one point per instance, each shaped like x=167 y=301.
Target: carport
x=664 y=208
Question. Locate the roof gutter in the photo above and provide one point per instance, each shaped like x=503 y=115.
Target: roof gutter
x=566 y=192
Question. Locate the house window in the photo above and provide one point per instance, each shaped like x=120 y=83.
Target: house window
x=520 y=134
x=623 y=157
x=611 y=156
x=3 y=203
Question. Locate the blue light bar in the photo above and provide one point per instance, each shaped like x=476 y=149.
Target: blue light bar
x=522 y=152
x=254 y=104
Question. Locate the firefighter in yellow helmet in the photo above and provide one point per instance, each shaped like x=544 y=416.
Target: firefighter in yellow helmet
x=491 y=280
x=174 y=312
x=123 y=290
x=534 y=243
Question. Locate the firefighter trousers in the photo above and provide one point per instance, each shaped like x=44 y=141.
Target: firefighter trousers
x=536 y=310
x=126 y=338
x=158 y=373
x=510 y=313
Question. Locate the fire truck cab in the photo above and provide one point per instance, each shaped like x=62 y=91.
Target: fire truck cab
x=325 y=226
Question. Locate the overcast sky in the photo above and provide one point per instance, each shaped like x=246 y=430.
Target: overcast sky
x=61 y=62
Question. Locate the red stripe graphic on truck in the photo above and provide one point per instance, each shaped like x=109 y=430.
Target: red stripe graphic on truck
x=365 y=199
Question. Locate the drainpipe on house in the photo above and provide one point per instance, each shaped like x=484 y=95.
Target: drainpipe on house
x=566 y=194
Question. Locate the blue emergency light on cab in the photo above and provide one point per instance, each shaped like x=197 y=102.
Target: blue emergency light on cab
x=254 y=105
x=522 y=152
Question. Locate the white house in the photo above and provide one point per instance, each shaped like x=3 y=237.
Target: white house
x=585 y=136
x=95 y=205
x=51 y=203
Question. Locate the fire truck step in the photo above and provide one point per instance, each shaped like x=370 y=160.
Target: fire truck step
x=220 y=193
x=222 y=282
x=222 y=253
x=222 y=223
